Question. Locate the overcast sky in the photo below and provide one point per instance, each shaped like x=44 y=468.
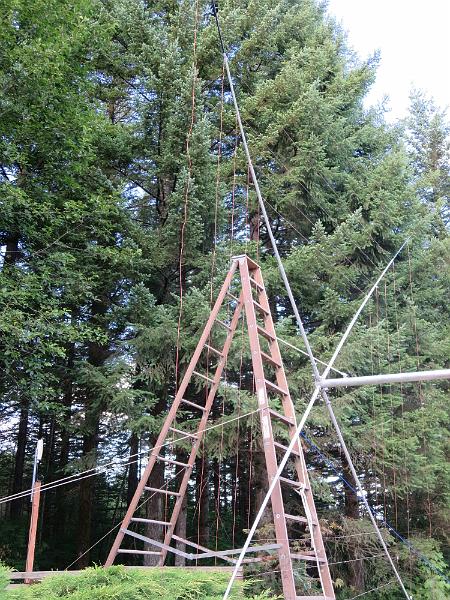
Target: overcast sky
x=413 y=37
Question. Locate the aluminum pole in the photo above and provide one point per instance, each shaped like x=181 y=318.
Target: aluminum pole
x=385 y=379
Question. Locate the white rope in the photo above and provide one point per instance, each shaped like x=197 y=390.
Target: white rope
x=318 y=378
x=117 y=524
x=99 y=470
x=289 y=345
x=372 y=590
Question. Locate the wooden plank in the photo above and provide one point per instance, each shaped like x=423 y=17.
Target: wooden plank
x=38 y=575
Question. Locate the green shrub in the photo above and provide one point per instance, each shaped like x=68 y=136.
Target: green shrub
x=4 y=578
x=119 y=583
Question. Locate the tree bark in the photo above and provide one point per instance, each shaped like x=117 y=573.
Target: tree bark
x=97 y=354
x=19 y=462
x=351 y=511
x=132 y=480
x=202 y=487
x=155 y=509
x=156 y=505
x=181 y=526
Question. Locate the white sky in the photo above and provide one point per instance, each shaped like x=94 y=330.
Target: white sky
x=414 y=39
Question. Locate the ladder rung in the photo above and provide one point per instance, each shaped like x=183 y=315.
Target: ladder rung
x=189 y=403
x=214 y=350
x=265 y=333
x=154 y=521
x=273 y=387
x=223 y=324
x=148 y=552
x=260 y=308
x=280 y=417
x=296 y=518
x=291 y=482
x=173 y=462
x=162 y=491
x=271 y=361
x=314 y=598
x=233 y=297
x=309 y=557
x=256 y=284
x=185 y=433
x=284 y=449
x=205 y=377
x=251 y=263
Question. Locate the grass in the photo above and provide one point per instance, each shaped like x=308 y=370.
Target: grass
x=118 y=583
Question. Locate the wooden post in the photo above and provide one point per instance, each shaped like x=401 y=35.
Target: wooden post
x=36 y=496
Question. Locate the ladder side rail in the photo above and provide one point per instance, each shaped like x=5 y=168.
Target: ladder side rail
x=287 y=574
x=200 y=432
x=300 y=463
x=170 y=417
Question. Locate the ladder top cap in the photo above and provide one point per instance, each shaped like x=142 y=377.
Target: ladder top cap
x=251 y=263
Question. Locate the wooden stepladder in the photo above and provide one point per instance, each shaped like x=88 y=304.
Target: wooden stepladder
x=276 y=412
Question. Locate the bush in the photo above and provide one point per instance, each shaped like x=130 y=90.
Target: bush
x=119 y=583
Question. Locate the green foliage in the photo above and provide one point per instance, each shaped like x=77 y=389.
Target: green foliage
x=4 y=577
x=128 y=584
x=117 y=225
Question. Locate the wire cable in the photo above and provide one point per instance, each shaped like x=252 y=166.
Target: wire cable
x=94 y=471
x=388 y=526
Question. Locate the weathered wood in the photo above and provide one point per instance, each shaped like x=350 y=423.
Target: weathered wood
x=33 y=526
x=39 y=575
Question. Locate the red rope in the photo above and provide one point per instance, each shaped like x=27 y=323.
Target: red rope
x=186 y=193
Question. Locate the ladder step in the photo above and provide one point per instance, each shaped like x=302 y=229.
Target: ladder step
x=162 y=491
x=148 y=552
x=283 y=448
x=233 y=297
x=296 y=518
x=260 y=308
x=291 y=482
x=205 y=377
x=223 y=324
x=214 y=350
x=257 y=285
x=309 y=557
x=273 y=387
x=154 y=521
x=269 y=360
x=280 y=417
x=314 y=598
x=185 y=433
x=189 y=403
x=171 y=461
x=265 y=333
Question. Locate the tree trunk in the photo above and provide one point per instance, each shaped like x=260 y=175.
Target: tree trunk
x=59 y=527
x=19 y=462
x=181 y=526
x=202 y=487
x=86 y=494
x=155 y=509
x=351 y=511
x=260 y=485
x=157 y=503
x=132 y=480
x=97 y=354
